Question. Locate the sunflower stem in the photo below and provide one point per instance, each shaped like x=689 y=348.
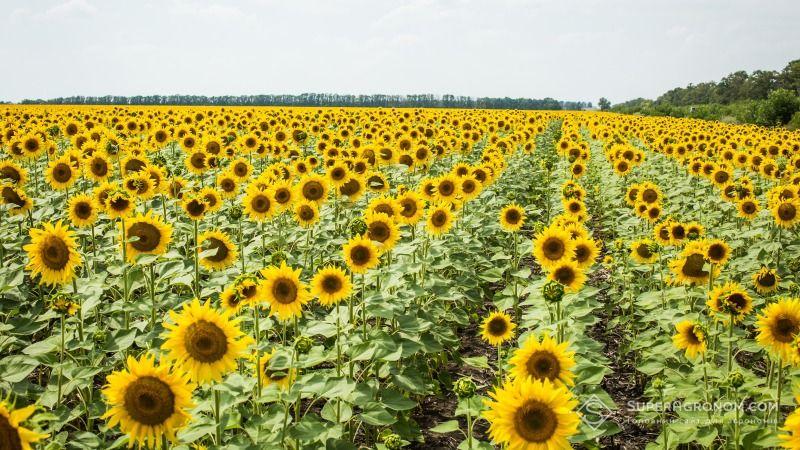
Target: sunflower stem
x=730 y=343
x=61 y=357
x=241 y=246
x=778 y=393
x=196 y=249
x=125 y=292
x=152 y=286
x=218 y=415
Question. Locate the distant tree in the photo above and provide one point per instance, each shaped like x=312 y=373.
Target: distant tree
x=779 y=108
x=604 y=104
x=790 y=76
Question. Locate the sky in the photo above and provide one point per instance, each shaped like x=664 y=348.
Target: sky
x=565 y=49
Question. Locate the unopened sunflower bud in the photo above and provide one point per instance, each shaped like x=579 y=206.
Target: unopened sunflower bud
x=234 y=213
x=658 y=384
x=358 y=227
x=553 y=291
x=735 y=380
x=303 y=344
x=464 y=387
x=277 y=258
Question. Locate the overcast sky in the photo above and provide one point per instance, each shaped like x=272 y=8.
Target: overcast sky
x=566 y=49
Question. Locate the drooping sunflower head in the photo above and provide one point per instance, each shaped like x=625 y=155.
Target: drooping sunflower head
x=284 y=291
x=497 y=328
x=203 y=341
x=331 y=285
x=13 y=436
x=384 y=204
x=552 y=246
x=11 y=172
x=146 y=234
x=53 y=253
x=217 y=252
x=14 y=196
x=360 y=254
x=766 y=280
x=512 y=217
x=532 y=414
x=778 y=326
x=690 y=337
x=148 y=401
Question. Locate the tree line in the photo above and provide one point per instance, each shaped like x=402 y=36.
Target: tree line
x=315 y=99
x=763 y=97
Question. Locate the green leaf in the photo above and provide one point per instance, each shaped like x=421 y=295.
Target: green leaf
x=446 y=427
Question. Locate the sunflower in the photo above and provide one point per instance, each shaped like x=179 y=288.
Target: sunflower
x=778 y=326
x=353 y=188
x=544 y=360
x=98 y=167
x=119 y=204
x=791 y=426
x=148 y=401
x=283 y=194
x=586 y=252
x=82 y=211
x=552 y=246
x=338 y=174
x=689 y=266
x=313 y=188
x=569 y=274
x=411 y=208
x=306 y=213
x=16 y=197
x=786 y=212
x=13 y=173
x=382 y=229
x=575 y=207
x=146 y=234
x=447 y=189
x=227 y=185
x=196 y=161
x=14 y=436
x=766 y=280
x=512 y=217
x=530 y=414
x=440 y=219
x=470 y=187
x=203 y=341
x=258 y=204
x=241 y=168
x=747 y=208
x=360 y=254
x=53 y=253
x=691 y=337
x=243 y=291
x=211 y=198
x=330 y=285
x=221 y=251
x=194 y=206
x=139 y=185
x=661 y=232
x=384 y=204
x=284 y=291
x=282 y=378
x=642 y=251
x=717 y=252
x=497 y=328
x=60 y=173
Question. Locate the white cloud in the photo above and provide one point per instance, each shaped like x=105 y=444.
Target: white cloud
x=71 y=7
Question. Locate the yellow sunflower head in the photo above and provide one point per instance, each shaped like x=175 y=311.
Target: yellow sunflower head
x=497 y=328
x=440 y=219
x=217 y=252
x=360 y=254
x=284 y=291
x=553 y=246
x=527 y=413
x=146 y=234
x=544 y=360
x=512 y=217
x=53 y=253
x=766 y=280
x=690 y=337
x=778 y=326
x=148 y=401
x=203 y=341
x=13 y=435
x=331 y=285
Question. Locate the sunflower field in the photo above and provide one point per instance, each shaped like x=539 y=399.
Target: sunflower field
x=348 y=278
